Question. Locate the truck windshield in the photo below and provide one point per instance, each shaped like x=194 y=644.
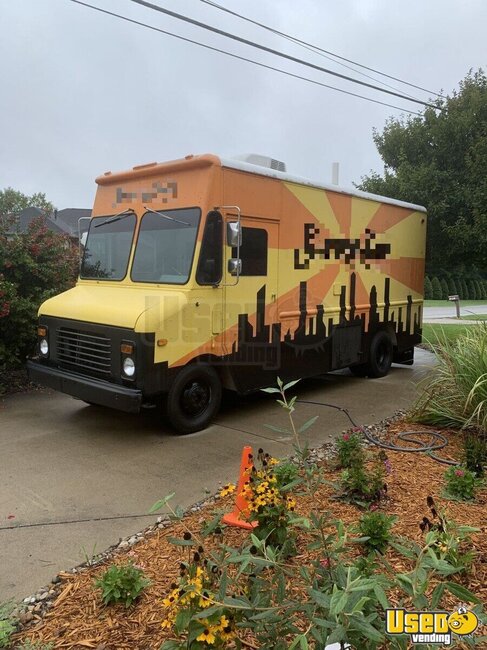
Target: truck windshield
x=165 y=246
x=108 y=245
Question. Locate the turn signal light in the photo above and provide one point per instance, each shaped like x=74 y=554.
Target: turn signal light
x=161 y=342
x=42 y=331
x=127 y=348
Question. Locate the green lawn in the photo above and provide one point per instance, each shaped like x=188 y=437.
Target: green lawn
x=433 y=332
x=474 y=317
x=445 y=303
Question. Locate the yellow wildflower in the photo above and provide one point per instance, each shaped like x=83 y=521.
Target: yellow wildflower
x=227 y=489
x=207 y=636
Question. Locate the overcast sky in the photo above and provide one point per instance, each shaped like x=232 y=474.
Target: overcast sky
x=83 y=93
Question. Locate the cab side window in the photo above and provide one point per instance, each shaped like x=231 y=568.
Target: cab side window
x=209 y=269
x=253 y=251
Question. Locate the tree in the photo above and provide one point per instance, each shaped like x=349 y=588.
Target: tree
x=444 y=289
x=12 y=201
x=439 y=160
x=437 y=291
x=452 y=286
x=33 y=267
x=464 y=295
x=428 y=289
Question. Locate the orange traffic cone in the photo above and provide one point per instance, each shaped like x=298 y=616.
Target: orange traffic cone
x=241 y=505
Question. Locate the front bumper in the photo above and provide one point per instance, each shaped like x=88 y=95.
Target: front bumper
x=88 y=389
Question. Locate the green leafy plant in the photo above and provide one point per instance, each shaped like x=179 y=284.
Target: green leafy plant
x=289 y=406
x=452 y=542
x=363 y=483
x=376 y=528
x=349 y=450
x=460 y=483
x=122 y=584
x=475 y=452
x=7 y=623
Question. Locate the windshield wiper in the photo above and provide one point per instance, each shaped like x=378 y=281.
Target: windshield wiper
x=166 y=216
x=116 y=217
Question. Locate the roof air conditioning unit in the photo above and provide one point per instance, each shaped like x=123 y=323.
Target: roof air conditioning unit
x=262 y=161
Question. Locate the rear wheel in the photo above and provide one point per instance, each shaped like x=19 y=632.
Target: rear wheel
x=381 y=351
x=380 y=358
x=194 y=398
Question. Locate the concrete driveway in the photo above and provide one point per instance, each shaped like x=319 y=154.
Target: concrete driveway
x=76 y=478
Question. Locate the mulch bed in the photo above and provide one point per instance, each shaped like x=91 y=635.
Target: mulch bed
x=78 y=619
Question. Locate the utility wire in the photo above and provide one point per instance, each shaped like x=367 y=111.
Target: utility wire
x=241 y=58
x=319 y=50
x=270 y=50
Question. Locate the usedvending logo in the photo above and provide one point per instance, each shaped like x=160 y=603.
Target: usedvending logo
x=431 y=627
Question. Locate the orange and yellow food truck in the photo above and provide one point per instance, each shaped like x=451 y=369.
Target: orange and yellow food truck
x=203 y=273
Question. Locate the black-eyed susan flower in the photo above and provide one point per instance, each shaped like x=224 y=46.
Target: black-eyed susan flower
x=207 y=636
x=227 y=489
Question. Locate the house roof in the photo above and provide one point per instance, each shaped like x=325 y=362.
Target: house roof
x=69 y=217
x=62 y=221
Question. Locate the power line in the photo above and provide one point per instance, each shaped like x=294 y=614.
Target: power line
x=320 y=50
x=270 y=50
x=241 y=58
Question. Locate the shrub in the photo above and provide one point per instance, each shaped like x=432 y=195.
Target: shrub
x=436 y=287
x=456 y=393
x=444 y=289
x=122 y=584
x=377 y=527
x=452 y=286
x=33 y=267
x=362 y=483
x=349 y=450
x=428 y=289
x=475 y=452
x=460 y=483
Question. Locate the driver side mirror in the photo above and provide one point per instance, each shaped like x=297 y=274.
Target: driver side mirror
x=234 y=234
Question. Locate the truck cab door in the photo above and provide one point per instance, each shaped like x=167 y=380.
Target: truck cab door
x=251 y=335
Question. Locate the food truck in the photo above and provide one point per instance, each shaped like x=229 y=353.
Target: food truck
x=204 y=274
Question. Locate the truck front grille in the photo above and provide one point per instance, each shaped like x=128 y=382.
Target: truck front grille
x=87 y=352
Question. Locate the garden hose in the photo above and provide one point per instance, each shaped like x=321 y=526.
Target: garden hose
x=437 y=440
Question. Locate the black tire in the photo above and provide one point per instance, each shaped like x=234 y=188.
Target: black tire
x=380 y=356
x=194 y=398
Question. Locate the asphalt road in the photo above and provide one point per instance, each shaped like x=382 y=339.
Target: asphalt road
x=432 y=314
x=75 y=478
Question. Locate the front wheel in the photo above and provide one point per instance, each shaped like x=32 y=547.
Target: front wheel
x=194 y=398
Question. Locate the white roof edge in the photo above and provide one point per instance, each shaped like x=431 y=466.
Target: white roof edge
x=284 y=176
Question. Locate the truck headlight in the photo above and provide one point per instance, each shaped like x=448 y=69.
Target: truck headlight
x=43 y=340
x=128 y=367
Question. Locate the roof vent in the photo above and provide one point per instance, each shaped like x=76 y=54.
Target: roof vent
x=262 y=161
